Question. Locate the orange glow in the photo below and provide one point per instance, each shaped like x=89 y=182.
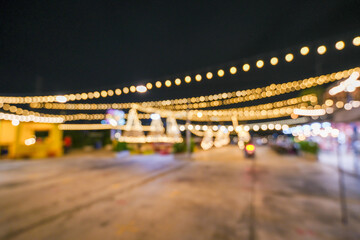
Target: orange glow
x=246 y=67
x=233 y=70
x=149 y=86
x=168 y=83
x=158 y=84
x=274 y=61
x=177 y=81
x=289 y=57
x=304 y=50
x=250 y=148
x=198 y=77
x=321 y=50
x=221 y=73
x=260 y=63
x=340 y=45
x=356 y=41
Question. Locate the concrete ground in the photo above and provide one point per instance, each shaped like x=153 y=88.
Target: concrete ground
x=216 y=195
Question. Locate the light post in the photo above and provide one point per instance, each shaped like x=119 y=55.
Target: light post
x=188 y=135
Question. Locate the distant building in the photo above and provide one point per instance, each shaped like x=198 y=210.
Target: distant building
x=30 y=140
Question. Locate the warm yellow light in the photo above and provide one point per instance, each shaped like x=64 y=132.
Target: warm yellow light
x=187 y=79
x=118 y=91
x=246 y=67
x=149 y=86
x=110 y=92
x=274 y=61
x=356 y=41
x=260 y=63
x=84 y=96
x=289 y=57
x=220 y=73
x=177 y=81
x=321 y=50
x=96 y=95
x=329 y=102
x=125 y=90
x=103 y=93
x=209 y=75
x=158 y=84
x=339 y=104
x=233 y=70
x=168 y=83
x=304 y=50
x=340 y=45
x=132 y=89
x=198 y=77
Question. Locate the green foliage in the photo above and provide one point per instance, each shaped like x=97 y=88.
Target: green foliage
x=106 y=138
x=120 y=146
x=88 y=138
x=309 y=147
x=181 y=147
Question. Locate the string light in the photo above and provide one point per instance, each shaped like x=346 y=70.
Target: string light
x=356 y=41
x=246 y=67
x=348 y=85
x=229 y=98
x=274 y=61
x=61 y=99
x=309 y=112
x=280 y=108
x=103 y=93
x=260 y=63
x=168 y=83
x=141 y=89
x=289 y=57
x=198 y=77
x=340 y=45
x=177 y=81
x=16 y=119
x=109 y=93
x=304 y=50
x=329 y=102
x=149 y=86
x=158 y=84
x=233 y=70
x=247 y=113
x=321 y=50
x=221 y=73
x=132 y=89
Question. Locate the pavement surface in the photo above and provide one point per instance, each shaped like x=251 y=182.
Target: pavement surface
x=218 y=194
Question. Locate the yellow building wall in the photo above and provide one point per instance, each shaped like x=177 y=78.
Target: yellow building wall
x=15 y=136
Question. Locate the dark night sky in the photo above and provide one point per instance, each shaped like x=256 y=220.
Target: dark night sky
x=87 y=45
